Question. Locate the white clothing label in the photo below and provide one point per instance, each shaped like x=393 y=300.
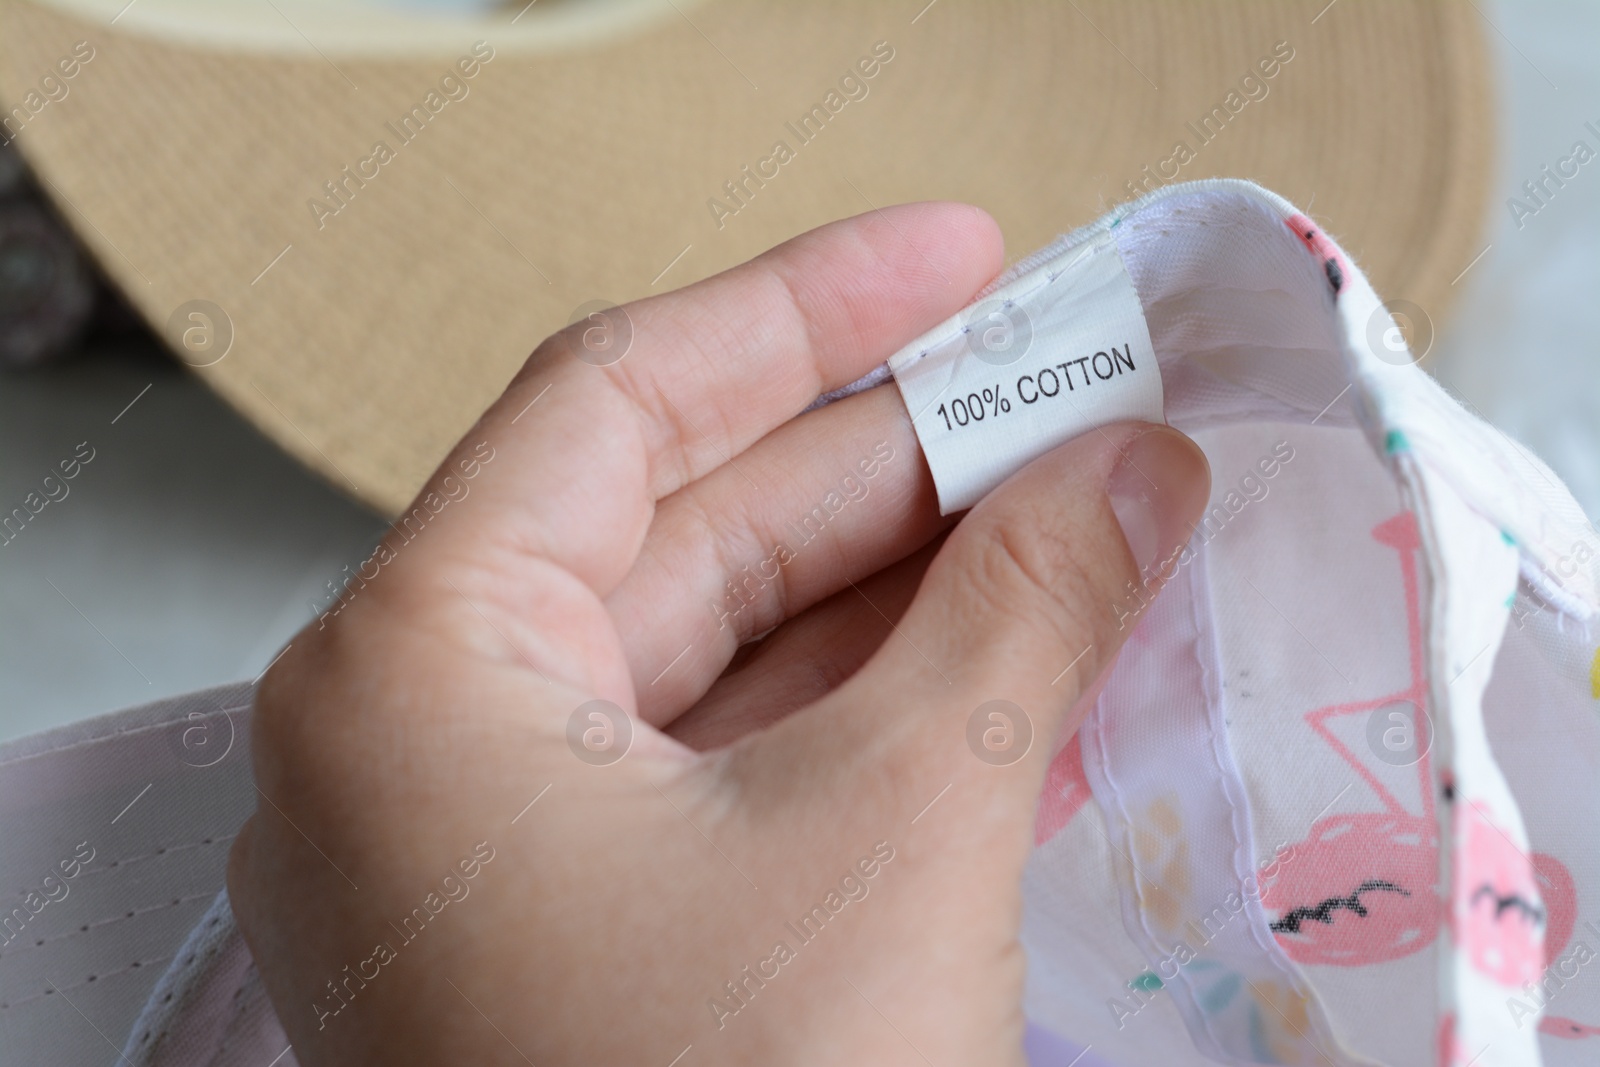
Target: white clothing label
x=1059 y=350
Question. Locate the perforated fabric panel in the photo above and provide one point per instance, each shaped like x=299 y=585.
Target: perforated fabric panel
x=155 y=795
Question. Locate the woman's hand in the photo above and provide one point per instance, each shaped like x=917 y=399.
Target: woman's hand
x=800 y=858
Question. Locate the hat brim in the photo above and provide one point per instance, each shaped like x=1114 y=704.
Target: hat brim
x=367 y=334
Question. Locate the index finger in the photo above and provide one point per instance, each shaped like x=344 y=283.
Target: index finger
x=585 y=450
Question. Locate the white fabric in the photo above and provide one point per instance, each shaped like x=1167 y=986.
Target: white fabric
x=1372 y=573
x=1059 y=350
x=209 y=1008
x=156 y=794
x=1233 y=863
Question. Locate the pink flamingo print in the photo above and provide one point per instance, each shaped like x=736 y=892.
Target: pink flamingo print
x=1065 y=790
x=1557 y=1026
x=1498 y=910
x=1321 y=246
x=1364 y=886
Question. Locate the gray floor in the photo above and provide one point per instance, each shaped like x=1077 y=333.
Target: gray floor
x=183 y=554
x=187 y=550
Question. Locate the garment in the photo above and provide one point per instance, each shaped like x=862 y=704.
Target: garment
x=1336 y=802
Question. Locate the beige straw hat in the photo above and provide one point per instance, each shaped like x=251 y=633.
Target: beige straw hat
x=360 y=217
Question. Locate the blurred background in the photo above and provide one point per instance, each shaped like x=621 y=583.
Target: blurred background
x=190 y=548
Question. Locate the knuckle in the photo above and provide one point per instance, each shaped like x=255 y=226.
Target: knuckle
x=276 y=717
x=285 y=726
x=1032 y=573
x=544 y=356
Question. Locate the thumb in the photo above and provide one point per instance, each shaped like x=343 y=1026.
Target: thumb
x=1022 y=611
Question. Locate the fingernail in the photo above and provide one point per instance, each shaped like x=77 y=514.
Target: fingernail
x=1158 y=489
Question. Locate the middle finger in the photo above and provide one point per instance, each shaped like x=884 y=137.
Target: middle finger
x=822 y=502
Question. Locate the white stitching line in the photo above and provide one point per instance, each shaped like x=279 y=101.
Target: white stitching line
x=1129 y=891
x=127 y=732
x=135 y=965
x=1233 y=793
x=1050 y=279
x=109 y=920
x=1184 y=981
x=166 y=850
x=124 y=861
x=1211 y=672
